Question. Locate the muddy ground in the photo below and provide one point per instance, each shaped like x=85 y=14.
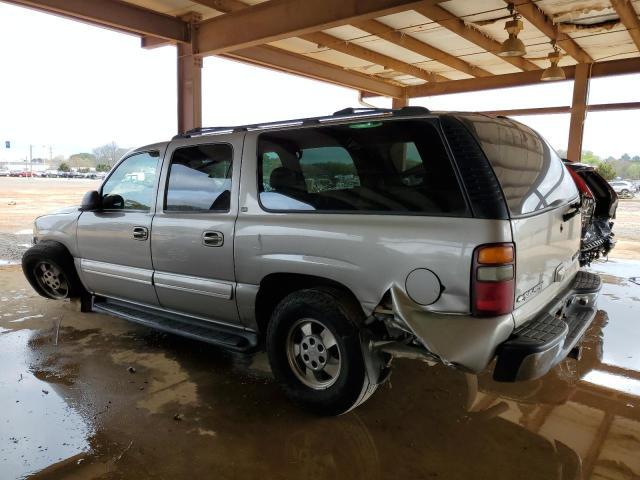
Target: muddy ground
x=86 y=396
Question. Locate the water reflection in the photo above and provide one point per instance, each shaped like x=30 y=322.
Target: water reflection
x=38 y=426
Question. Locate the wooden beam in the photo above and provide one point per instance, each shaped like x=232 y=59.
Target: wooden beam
x=114 y=14
x=599 y=69
x=278 y=19
x=457 y=26
x=148 y=42
x=410 y=43
x=189 y=71
x=629 y=18
x=534 y=15
x=355 y=50
x=399 y=102
x=281 y=60
x=227 y=6
x=599 y=107
x=578 y=111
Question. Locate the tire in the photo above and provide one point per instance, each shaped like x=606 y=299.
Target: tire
x=334 y=311
x=54 y=258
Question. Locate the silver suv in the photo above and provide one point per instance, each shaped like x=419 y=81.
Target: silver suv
x=337 y=243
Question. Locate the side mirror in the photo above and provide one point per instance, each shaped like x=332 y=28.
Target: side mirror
x=90 y=201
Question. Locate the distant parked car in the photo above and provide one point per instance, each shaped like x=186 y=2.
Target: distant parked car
x=623 y=188
x=26 y=174
x=4 y=173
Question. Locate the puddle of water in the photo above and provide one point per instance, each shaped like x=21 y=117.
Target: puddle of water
x=38 y=427
x=22 y=319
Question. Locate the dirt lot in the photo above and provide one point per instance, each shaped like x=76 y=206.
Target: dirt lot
x=23 y=199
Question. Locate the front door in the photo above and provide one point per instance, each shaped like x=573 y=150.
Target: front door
x=192 y=241
x=114 y=243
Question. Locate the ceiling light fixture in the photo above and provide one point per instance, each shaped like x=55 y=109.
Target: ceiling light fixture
x=513 y=46
x=553 y=71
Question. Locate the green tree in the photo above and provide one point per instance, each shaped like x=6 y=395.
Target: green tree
x=607 y=171
x=103 y=167
x=633 y=171
x=64 y=167
x=590 y=158
x=636 y=158
x=625 y=156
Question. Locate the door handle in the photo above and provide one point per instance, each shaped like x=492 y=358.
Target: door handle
x=212 y=239
x=140 y=233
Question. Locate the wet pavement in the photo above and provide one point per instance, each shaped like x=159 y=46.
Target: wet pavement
x=88 y=396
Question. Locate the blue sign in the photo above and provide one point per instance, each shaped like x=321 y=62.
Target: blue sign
x=7 y=144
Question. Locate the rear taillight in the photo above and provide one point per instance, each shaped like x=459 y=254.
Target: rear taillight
x=588 y=202
x=493 y=279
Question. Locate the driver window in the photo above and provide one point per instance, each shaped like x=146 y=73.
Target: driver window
x=132 y=184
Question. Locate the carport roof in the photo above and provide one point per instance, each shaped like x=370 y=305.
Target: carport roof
x=395 y=48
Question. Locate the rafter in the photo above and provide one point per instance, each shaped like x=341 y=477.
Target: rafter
x=629 y=18
x=537 y=17
x=278 y=19
x=449 y=21
x=115 y=14
x=381 y=30
x=599 y=69
x=356 y=50
x=329 y=41
x=281 y=60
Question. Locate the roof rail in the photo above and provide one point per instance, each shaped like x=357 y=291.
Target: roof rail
x=340 y=115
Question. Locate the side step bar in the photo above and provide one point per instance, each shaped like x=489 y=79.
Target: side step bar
x=230 y=338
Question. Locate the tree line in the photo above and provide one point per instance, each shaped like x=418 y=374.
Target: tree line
x=625 y=167
x=102 y=158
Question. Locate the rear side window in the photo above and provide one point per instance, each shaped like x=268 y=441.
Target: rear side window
x=531 y=174
x=200 y=179
x=383 y=167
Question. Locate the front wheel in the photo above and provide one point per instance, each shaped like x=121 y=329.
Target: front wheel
x=50 y=271
x=315 y=352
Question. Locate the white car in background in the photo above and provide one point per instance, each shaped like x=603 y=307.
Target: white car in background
x=623 y=188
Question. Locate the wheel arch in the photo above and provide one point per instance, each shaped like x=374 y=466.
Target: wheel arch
x=275 y=286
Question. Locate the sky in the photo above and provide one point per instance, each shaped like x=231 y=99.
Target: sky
x=67 y=87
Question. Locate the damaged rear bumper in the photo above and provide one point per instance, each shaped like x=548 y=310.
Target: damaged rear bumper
x=537 y=346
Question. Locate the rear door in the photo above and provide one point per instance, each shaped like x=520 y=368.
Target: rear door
x=539 y=192
x=192 y=240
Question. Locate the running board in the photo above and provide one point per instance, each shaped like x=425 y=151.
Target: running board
x=227 y=337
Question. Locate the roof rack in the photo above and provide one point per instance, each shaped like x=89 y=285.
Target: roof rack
x=339 y=116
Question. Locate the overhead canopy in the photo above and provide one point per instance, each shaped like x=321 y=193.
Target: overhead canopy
x=396 y=48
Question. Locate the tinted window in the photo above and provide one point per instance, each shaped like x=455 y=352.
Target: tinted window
x=200 y=179
x=530 y=172
x=392 y=166
x=132 y=184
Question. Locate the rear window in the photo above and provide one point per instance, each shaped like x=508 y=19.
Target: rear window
x=383 y=167
x=531 y=174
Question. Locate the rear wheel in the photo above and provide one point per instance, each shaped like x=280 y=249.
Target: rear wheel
x=49 y=268
x=314 y=348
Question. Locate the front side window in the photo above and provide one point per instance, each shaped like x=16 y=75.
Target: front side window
x=132 y=184
x=384 y=167
x=200 y=179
